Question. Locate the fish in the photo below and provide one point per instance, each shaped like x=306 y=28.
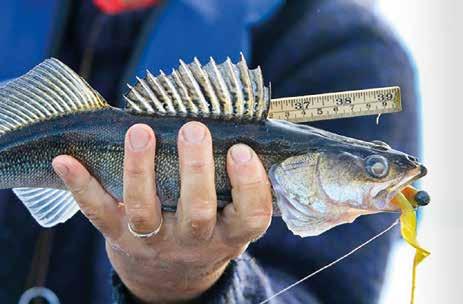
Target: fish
x=319 y=179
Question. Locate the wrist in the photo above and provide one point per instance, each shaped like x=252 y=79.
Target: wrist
x=169 y=284
x=179 y=292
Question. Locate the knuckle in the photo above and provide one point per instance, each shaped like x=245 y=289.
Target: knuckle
x=136 y=207
x=198 y=166
x=139 y=196
x=200 y=218
x=133 y=201
x=257 y=224
x=135 y=171
x=256 y=195
x=251 y=185
x=198 y=233
x=249 y=229
x=140 y=221
x=199 y=205
x=265 y=206
x=200 y=223
x=82 y=188
x=91 y=213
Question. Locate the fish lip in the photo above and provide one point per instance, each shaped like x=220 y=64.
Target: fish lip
x=393 y=191
x=423 y=171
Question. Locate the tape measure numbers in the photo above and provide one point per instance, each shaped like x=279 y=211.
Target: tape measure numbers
x=336 y=105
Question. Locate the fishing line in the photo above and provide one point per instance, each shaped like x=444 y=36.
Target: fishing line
x=332 y=263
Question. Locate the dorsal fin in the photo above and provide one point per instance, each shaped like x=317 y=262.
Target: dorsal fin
x=224 y=91
x=49 y=90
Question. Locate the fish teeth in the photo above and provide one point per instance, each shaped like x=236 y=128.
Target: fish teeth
x=224 y=91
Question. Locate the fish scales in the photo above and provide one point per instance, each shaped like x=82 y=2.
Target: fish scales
x=100 y=147
x=319 y=179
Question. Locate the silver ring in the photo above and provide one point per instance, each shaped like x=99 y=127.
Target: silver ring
x=144 y=235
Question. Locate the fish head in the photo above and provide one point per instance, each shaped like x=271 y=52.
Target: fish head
x=319 y=189
x=368 y=179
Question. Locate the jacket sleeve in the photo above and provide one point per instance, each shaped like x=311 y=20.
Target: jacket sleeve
x=336 y=46
x=242 y=282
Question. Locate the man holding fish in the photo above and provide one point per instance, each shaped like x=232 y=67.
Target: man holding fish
x=197 y=253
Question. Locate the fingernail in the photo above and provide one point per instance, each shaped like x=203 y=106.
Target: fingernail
x=138 y=138
x=241 y=153
x=194 y=133
x=60 y=169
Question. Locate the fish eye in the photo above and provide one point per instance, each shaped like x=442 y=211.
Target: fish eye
x=376 y=166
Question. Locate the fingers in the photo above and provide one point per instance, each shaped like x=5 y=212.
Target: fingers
x=141 y=205
x=250 y=214
x=197 y=209
x=94 y=202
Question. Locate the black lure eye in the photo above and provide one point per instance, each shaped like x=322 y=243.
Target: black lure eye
x=377 y=166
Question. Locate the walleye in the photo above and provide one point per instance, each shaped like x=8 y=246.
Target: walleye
x=319 y=179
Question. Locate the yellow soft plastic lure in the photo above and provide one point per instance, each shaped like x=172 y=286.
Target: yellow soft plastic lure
x=408 y=230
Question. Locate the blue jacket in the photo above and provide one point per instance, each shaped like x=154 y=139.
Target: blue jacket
x=304 y=47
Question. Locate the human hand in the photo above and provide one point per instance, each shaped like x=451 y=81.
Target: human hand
x=194 y=245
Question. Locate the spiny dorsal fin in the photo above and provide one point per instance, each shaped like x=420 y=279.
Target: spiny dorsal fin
x=224 y=91
x=49 y=90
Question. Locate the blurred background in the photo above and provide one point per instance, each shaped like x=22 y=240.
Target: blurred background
x=431 y=30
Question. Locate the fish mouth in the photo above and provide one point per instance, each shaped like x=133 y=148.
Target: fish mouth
x=414 y=175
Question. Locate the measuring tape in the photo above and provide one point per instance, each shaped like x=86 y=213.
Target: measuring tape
x=336 y=105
